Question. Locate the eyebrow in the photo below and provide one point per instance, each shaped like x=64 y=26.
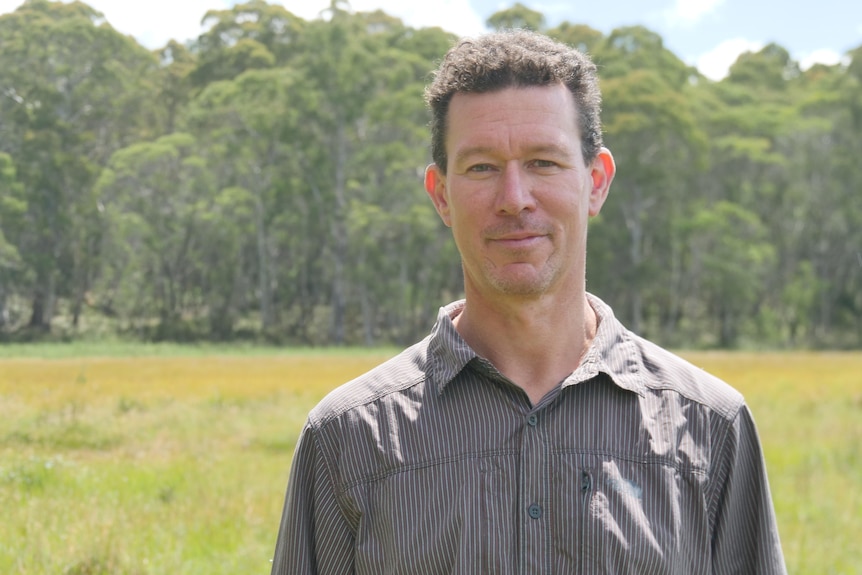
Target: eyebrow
x=470 y=151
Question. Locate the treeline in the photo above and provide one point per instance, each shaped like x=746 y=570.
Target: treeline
x=263 y=182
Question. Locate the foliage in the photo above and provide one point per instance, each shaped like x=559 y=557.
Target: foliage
x=264 y=183
x=518 y=16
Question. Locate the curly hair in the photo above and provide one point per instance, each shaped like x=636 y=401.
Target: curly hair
x=514 y=58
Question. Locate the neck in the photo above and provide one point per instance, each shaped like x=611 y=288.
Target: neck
x=535 y=343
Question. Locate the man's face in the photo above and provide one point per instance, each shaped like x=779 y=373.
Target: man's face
x=516 y=191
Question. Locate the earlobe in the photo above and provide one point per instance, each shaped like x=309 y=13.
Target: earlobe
x=602 y=173
x=435 y=187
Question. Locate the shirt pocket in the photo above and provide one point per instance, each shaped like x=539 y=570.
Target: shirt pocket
x=632 y=516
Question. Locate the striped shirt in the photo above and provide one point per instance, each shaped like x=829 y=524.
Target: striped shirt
x=435 y=463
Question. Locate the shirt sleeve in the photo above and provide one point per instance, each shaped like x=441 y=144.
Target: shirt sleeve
x=745 y=534
x=314 y=537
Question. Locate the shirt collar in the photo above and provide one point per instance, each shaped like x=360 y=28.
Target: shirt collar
x=612 y=352
x=448 y=353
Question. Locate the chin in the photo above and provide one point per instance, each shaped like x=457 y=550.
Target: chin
x=521 y=286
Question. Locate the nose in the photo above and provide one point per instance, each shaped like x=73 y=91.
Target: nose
x=514 y=194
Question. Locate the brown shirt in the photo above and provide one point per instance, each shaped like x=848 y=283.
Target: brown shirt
x=435 y=463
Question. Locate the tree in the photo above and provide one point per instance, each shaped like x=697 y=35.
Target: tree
x=633 y=48
x=659 y=148
x=253 y=129
x=174 y=83
x=338 y=64
x=74 y=88
x=271 y=170
x=156 y=196
x=249 y=36
x=518 y=16
x=401 y=258
x=771 y=67
x=581 y=37
x=12 y=209
x=730 y=252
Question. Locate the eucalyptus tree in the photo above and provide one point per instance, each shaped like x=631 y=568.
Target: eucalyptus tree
x=157 y=197
x=518 y=16
x=730 y=259
x=72 y=92
x=337 y=64
x=174 y=86
x=824 y=178
x=580 y=36
x=772 y=154
x=252 y=133
x=659 y=149
x=401 y=259
x=13 y=206
x=248 y=36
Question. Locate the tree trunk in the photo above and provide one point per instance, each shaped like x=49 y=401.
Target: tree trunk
x=4 y=311
x=264 y=283
x=44 y=300
x=339 y=233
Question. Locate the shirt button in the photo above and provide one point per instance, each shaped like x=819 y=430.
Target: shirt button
x=533 y=419
x=535 y=511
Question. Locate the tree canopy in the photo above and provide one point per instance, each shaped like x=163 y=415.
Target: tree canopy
x=264 y=182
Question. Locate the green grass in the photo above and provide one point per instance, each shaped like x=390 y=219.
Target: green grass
x=127 y=349
x=176 y=461
x=808 y=409
x=152 y=464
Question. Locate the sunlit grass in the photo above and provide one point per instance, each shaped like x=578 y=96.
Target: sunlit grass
x=160 y=463
x=152 y=465
x=808 y=409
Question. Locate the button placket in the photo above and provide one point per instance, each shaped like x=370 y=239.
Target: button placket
x=534 y=494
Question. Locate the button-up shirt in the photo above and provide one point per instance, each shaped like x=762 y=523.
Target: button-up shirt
x=434 y=462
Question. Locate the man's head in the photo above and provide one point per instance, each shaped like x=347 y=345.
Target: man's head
x=514 y=58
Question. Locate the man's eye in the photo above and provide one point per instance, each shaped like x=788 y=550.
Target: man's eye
x=544 y=164
x=478 y=168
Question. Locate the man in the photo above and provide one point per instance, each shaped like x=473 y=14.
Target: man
x=530 y=432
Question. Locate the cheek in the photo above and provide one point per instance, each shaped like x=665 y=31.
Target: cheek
x=466 y=211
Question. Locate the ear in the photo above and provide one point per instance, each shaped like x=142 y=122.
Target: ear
x=602 y=173
x=435 y=186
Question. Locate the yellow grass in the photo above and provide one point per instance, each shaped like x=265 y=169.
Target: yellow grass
x=155 y=465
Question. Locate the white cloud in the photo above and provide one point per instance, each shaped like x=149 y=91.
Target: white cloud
x=823 y=56
x=155 y=22
x=716 y=63
x=152 y=23
x=454 y=16
x=9 y=5
x=689 y=12
x=148 y=23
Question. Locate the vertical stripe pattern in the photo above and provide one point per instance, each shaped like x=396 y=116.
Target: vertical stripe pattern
x=435 y=463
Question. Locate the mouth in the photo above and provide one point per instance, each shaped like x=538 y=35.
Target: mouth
x=522 y=235
x=518 y=240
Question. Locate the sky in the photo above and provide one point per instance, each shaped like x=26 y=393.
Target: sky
x=709 y=34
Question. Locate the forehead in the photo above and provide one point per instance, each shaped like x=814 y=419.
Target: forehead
x=513 y=118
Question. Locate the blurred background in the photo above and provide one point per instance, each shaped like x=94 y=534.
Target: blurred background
x=257 y=177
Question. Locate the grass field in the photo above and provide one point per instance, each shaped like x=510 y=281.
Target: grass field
x=174 y=460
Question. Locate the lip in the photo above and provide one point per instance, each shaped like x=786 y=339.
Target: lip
x=518 y=236
x=521 y=239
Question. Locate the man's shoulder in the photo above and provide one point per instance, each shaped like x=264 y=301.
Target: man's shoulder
x=396 y=375
x=641 y=365
x=664 y=370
